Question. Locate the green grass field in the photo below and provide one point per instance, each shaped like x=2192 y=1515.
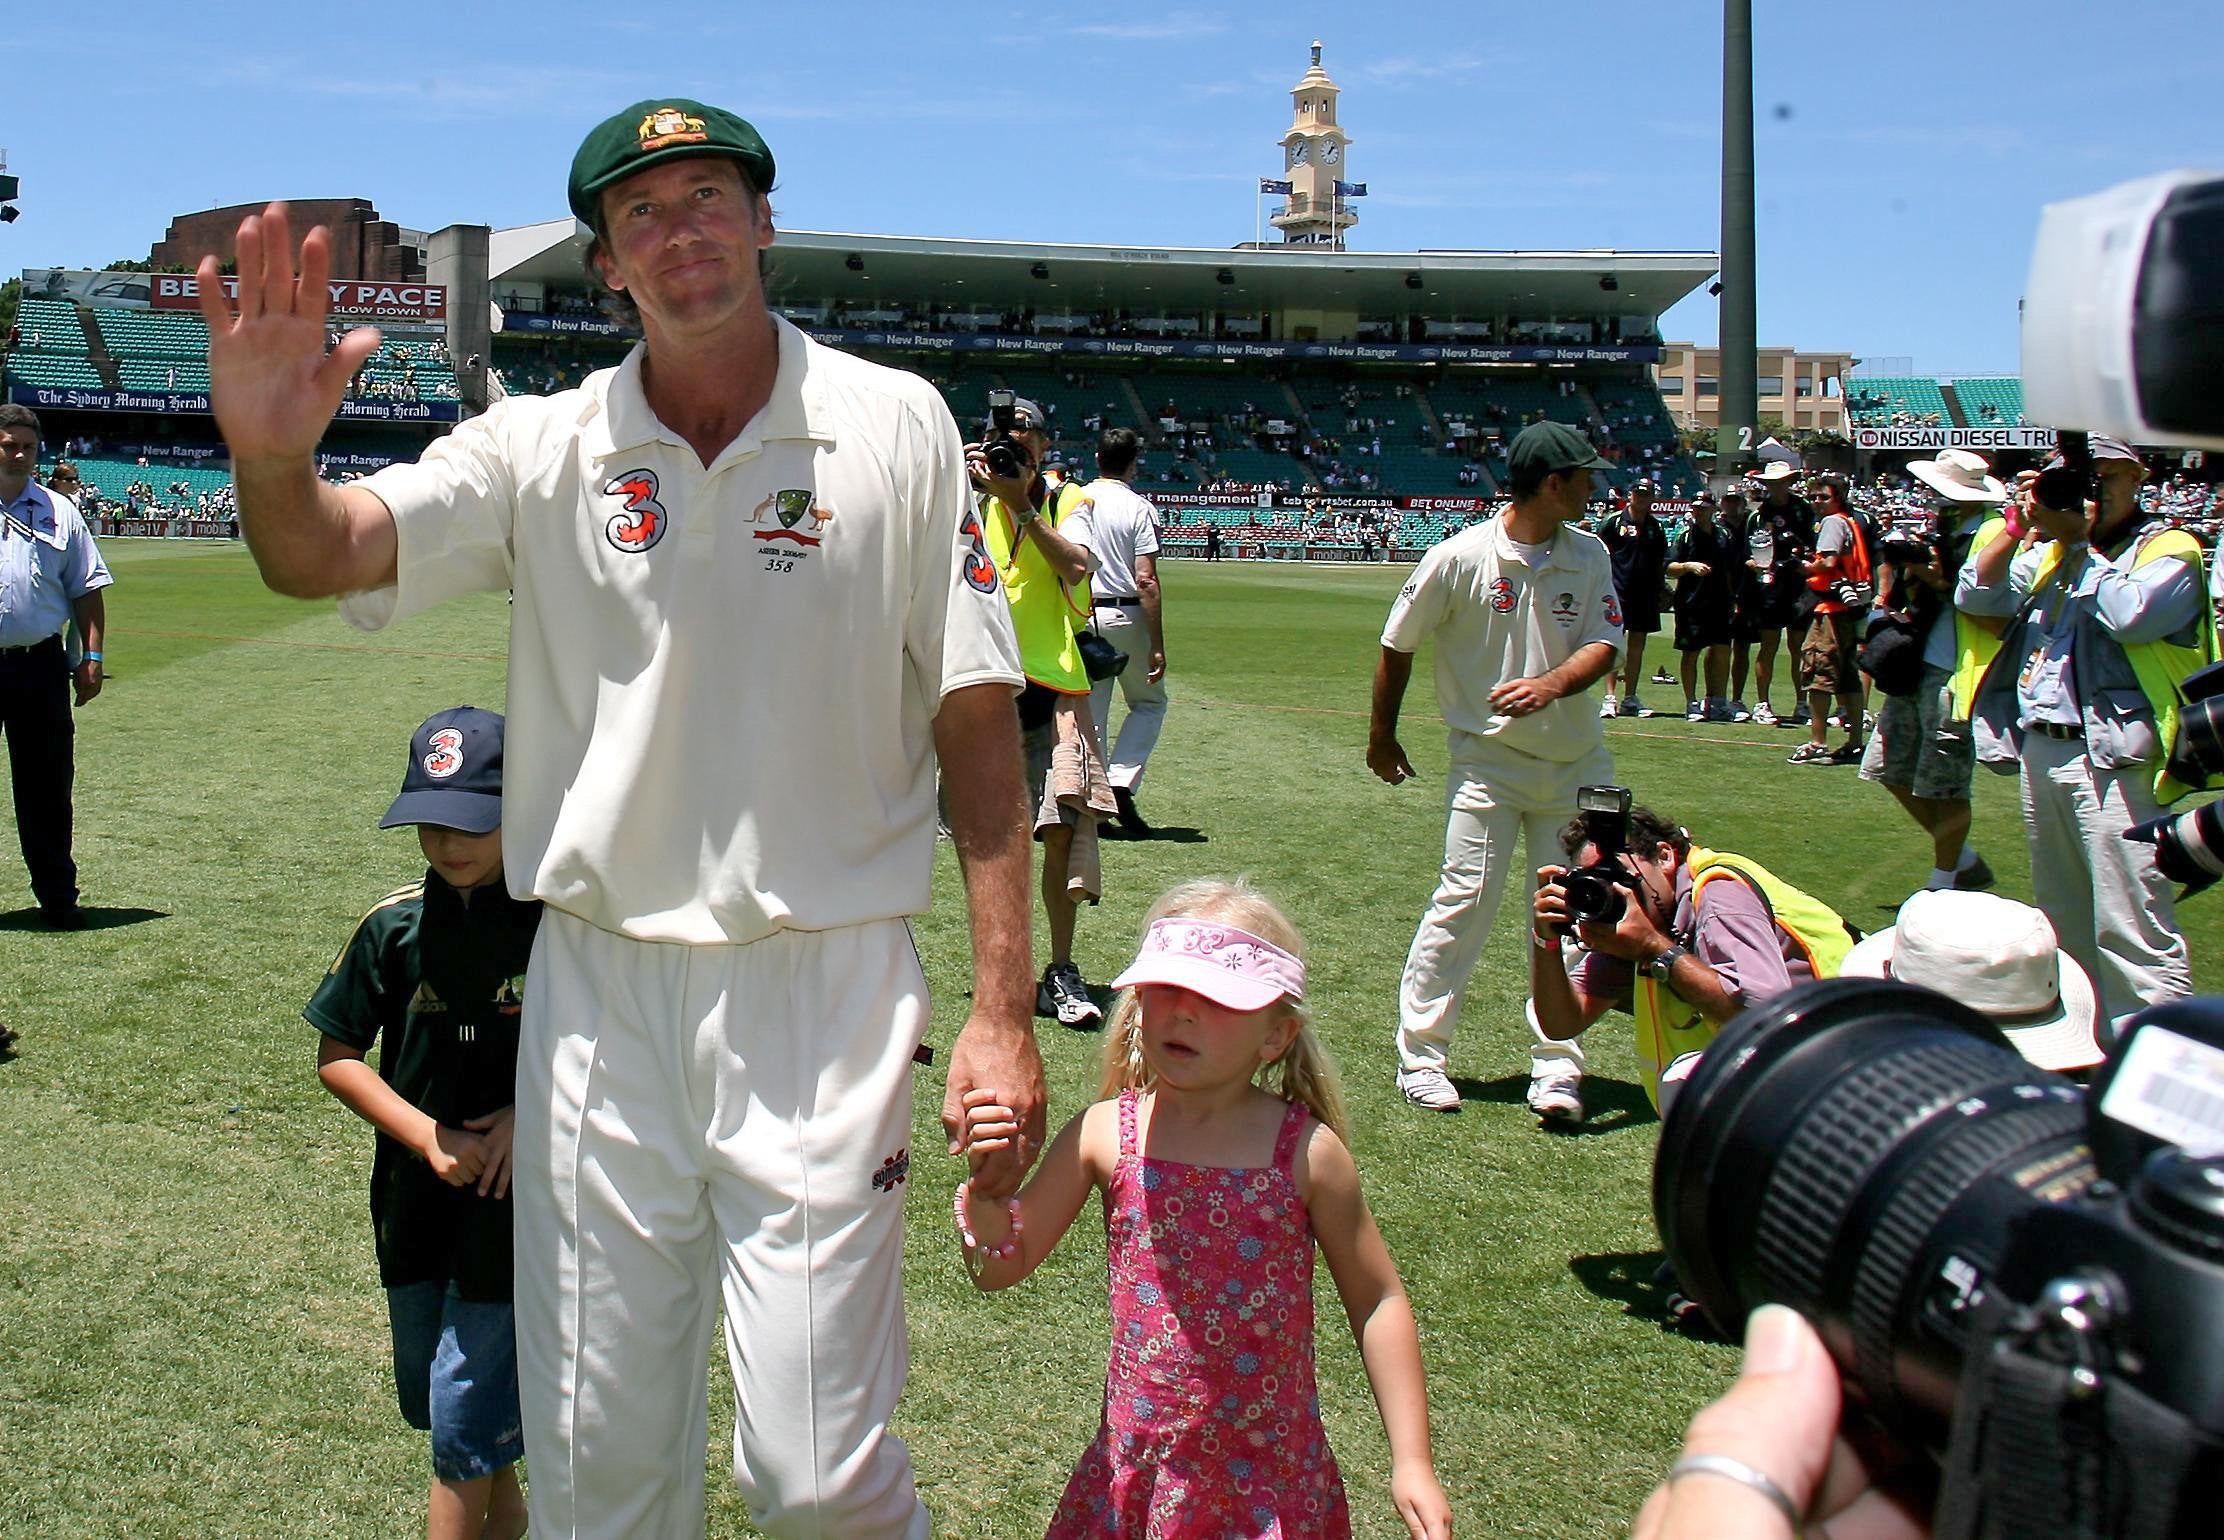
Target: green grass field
x=192 y=1341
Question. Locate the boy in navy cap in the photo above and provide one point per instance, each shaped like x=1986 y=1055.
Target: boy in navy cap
x=437 y=969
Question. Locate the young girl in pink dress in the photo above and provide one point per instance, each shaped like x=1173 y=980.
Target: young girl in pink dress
x=1215 y=1188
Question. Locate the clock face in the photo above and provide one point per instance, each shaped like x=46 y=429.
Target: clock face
x=1298 y=152
x=1331 y=153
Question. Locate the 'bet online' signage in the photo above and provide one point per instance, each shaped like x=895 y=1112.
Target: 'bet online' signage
x=353 y=299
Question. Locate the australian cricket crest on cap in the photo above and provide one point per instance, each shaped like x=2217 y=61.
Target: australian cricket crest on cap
x=641 y=521
x=669 y=125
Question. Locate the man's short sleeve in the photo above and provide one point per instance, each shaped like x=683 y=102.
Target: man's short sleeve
x=83 y=571
x=1736 y=938
x=1597 y=976
x=958 y=631
x=1146 y=529
x=1835 y=536
x=353 y=1000
x=1421 y=604
x=455 y=513
x=1602 y=616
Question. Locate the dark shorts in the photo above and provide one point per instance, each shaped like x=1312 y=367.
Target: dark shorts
x=1700 y=629
x=1829 y=656
x=455 y=1373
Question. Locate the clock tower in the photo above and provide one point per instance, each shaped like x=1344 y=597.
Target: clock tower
x=1313 y=162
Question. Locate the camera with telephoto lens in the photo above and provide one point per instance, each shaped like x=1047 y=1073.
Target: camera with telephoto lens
x=2022 y=1278
x=1594 y=891
x=1007 y=457
x=2068 y=487
x=2189 y=847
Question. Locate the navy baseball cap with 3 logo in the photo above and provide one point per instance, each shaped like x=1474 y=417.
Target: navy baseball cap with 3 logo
x=454 y=780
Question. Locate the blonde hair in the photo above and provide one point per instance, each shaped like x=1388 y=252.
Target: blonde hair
x=1304 y=1073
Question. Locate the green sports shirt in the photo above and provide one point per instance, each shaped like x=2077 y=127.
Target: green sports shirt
x=438 y=986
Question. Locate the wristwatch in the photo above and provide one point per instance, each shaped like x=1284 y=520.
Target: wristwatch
x=1665 y=964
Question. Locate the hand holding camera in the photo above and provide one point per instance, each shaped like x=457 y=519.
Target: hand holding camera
x=1003 y=465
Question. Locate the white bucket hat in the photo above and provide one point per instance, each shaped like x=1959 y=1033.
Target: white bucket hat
x=1959 y=476
x=1998 y=957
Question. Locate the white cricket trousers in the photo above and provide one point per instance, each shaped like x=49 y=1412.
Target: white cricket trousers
x=698 y=1120
x=1493 y=797
x=2112 y=909
x=1125 y=627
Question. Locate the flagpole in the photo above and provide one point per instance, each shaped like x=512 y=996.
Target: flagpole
x=1258 y=218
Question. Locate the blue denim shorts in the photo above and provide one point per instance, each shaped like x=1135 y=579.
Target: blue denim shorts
x=455 y=1372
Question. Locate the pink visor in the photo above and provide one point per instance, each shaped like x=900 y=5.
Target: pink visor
x=1228 y=966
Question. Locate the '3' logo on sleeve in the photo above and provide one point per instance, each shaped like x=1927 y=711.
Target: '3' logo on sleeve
x=642 y=523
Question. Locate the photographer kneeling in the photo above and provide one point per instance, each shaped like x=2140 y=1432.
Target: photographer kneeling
x=1680 y=936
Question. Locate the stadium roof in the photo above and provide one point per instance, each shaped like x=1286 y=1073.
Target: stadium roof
x=816 y=265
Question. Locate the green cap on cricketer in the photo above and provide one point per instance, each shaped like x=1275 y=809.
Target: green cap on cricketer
x=652 y=132
x=1552 y=446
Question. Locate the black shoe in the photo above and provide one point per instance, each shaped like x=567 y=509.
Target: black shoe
x=1131 y=822
x=1069 y=998
x=63 y=917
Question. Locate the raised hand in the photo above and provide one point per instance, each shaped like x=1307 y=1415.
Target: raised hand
x=273 y=385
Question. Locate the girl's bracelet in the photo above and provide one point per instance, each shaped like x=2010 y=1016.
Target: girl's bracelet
x=1003 y=1250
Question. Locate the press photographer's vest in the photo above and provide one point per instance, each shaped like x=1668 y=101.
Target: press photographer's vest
x=1044 y=609
x=1668 y=1026
x=2161 y=666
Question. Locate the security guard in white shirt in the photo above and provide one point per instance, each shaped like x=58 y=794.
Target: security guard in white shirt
x=1522 y=612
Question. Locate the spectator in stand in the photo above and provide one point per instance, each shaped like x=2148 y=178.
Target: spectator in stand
x=1920 y=752
x=1702 y=561
x=1778 y=535
x=1839 y=574
x=1638 y=544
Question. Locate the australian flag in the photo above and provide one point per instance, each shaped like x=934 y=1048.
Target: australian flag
x=1268 y=184
x=1351 y=189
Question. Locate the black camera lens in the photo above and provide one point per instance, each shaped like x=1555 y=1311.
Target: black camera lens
x=2189 y=847
x=1002 y=456
x=1858 y=1151
x=1594 y=897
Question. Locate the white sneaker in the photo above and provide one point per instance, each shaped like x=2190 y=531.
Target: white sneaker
x=1765 y=714
x=1557 y=1097
x=1738 y=713
x=1633 y=707
x=1429 y=1089
x=1608 y=710
x=1694 y=712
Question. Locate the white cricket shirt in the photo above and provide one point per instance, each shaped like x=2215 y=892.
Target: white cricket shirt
x=722 y=679
x=1123 y=525
x=1496 y=614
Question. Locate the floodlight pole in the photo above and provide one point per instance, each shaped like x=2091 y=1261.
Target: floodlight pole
x=1739 y=401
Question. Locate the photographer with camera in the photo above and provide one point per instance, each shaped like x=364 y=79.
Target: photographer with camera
x=1682 y=937
x=1038 y=540
x=1921 y=751
x=2106 y=619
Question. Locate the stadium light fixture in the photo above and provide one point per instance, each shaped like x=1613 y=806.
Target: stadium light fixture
x=1039 y=270
x=1609 y=283
x=1715 y=288
x=854 y=263
x=1413 y=280
x=1225 y=275
x=9 y=214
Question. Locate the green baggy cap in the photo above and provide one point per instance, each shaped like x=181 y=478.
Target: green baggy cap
x=652 y=132
x=1552 y=446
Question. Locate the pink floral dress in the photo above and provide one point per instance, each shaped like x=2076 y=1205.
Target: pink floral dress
x=1212 y=1425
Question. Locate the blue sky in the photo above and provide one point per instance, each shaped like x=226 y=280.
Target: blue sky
x=1904 y=150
